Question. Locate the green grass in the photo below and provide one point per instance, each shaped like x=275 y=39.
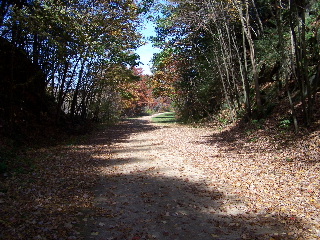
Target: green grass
x=165 y=118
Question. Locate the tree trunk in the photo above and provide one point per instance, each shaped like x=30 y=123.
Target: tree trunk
x=304 y=60
x=245 y=21
x=244 y=74
x=299 y=62
x=35 y=49
x=76 y=91
x=293 y=112
x=61 y=90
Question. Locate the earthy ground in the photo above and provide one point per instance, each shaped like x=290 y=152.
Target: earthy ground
x=139 y=180
x=177 y=182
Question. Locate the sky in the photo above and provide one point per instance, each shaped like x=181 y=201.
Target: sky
x=146 y=52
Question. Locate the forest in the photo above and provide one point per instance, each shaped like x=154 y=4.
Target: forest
x=66 y=60
x=71 y=61
x=69 y=68
x=244 y=57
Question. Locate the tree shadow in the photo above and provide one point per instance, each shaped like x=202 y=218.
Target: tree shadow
x=144 y=206
x=167 y=121
x=45 y=200
x=147 y=205
x=120 y=132
x=53 y=201
x=253 y=138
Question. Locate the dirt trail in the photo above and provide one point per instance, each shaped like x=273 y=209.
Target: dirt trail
x=152 y=189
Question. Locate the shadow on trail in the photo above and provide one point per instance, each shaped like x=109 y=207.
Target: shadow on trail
x=250 y=138
x=121 y=131
x=144 y=204
x=54 y=200
x=139 y=206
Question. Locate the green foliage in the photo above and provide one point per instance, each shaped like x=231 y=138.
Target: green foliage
x=216 y=60
x=222 y=120
x=285 y=124
x=289 y=160
x=165 y=118
x=258 y=123
x=209 y=58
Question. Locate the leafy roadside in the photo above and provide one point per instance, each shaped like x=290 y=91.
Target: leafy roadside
x=276 y=170
x=45 y=191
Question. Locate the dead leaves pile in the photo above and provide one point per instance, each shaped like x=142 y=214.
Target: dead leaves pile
x=49 y=201
x=276 y=173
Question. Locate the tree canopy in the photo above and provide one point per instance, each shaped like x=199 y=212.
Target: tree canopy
x=84 y=51
x=75 y=59
x=241 y=56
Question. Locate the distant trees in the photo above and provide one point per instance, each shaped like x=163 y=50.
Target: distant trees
x=243 y=56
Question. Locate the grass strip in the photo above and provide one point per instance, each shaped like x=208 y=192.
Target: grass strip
x=168 y=117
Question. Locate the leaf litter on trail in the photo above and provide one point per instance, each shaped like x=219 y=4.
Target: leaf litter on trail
x=259 y=172
x=58 y=199
x=50 y=201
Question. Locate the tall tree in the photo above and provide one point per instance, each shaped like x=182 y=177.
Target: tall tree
x=69 y=40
